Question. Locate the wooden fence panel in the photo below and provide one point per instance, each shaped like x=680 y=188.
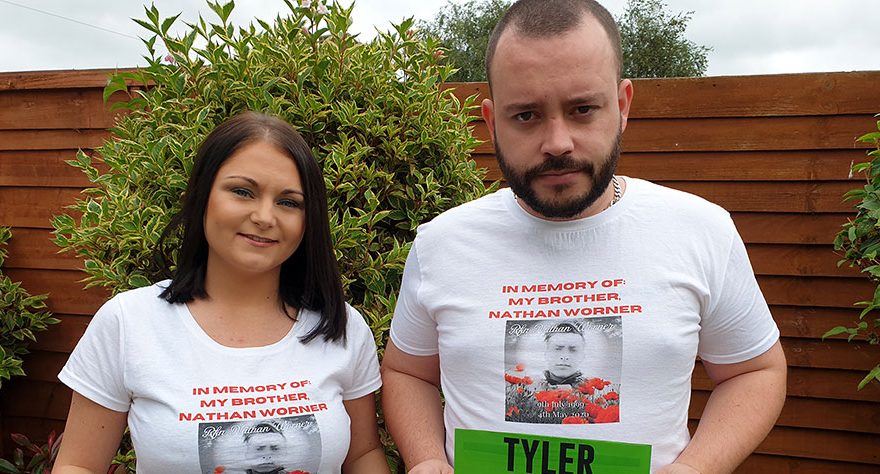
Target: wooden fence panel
x=775 y=151
x=812 y=382
x=33 y=249
x=54 y=109
x=788 y=227
x=826 y=414
x=762 y=463
x=811 y=322
x=836 y=93
x=815 y=291
x=51 y=80
x=62 y=337
x=14 y=140
x=736 y=166
x=41 y=168
x=65 y=289
x=733 y=134
x=34 y=207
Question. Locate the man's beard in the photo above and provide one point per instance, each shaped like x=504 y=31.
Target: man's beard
x=521 y=182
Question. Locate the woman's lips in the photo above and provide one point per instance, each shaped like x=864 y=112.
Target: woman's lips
x=258 y=241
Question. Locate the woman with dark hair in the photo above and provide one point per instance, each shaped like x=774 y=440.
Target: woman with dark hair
x=252 y=330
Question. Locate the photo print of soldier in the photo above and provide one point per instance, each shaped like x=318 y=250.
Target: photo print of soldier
x=277 y=446
x=563 y=371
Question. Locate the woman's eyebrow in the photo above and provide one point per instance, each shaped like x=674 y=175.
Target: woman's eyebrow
x=254 y=183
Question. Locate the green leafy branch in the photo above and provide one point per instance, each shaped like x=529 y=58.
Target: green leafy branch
x=859 y=241
x=21 y=317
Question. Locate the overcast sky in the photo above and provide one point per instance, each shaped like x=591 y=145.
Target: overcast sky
x=747 y=36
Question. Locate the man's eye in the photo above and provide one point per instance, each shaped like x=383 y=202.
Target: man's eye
x=585 y=109
x=524 y=116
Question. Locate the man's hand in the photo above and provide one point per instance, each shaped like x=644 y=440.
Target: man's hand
x=432 y=466
x=677 y=468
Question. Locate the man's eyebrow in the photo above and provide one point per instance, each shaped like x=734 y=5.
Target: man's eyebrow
x=587 y=98
x=519 y=106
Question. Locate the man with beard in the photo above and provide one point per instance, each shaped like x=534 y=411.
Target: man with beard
x=569 y=238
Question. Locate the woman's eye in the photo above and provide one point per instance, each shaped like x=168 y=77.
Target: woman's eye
x=289 y=203
x=242 y=192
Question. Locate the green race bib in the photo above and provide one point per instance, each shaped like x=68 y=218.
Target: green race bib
x=490 y=452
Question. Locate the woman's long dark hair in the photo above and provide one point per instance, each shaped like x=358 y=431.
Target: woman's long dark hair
x=310 y=277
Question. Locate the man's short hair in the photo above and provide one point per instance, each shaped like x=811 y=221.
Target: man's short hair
x=262 y=428
x=562 y=328
x=546 y=18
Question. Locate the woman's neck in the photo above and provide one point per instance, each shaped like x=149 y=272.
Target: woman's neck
x=242 y=310
x=243 y=290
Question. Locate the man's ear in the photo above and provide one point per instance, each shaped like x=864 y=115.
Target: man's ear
x=624 y=100
x=487 y=107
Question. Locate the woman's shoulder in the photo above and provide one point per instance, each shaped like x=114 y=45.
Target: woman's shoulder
x=351 y=313
x=357 y=329
x=143 y=294
x=137 y=299
x=355 y=323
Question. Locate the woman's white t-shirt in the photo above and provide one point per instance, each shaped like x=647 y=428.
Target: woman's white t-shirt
x=195 y=405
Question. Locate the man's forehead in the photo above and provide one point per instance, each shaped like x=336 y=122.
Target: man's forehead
x=514 y=43
x=569 y=336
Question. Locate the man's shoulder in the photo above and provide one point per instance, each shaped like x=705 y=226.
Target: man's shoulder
x=674 y=203
x=484 y=210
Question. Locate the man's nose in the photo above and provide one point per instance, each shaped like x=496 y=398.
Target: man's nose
x=557 y=137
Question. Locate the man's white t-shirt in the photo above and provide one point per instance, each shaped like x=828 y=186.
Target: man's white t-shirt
x=647 y=285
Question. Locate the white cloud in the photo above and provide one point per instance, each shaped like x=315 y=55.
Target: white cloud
x=748 y=36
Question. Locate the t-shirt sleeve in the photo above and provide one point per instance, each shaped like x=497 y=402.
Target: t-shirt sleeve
x=365 y=377
x=413 y=330
x=96 y=368
x=737 y=325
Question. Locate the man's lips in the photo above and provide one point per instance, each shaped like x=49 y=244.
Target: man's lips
x=559 y=172
x=558 y=175
x=266 y=467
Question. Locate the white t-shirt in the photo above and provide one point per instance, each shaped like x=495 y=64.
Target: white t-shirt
x=644 y=287
x=195 y=405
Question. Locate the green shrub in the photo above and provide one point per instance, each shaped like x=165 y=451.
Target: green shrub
x=30 y=457
x=21 y=316
x=395 y=147
x=34 y=458
x=859 y=240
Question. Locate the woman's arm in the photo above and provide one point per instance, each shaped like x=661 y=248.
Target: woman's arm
x=91 y=437
x=365 y=453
